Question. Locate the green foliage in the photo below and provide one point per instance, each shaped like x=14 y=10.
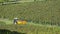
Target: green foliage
x=4 y=31
x=39 y=11
x=29 y=28
x=2 y=23
x=33 y=29
x=1 y=0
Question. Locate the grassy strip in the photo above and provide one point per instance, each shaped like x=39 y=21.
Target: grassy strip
x=32 y=29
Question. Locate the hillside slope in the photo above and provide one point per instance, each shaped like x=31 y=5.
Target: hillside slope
x=40 y=11
x=32 y=29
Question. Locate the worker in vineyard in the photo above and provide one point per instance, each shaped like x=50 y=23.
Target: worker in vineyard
x=15 y=20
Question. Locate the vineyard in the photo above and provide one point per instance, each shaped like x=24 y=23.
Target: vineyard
x=45 y=12
x=43 y=17
x=31 y=28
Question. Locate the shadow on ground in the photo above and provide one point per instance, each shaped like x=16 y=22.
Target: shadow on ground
x=4 y=31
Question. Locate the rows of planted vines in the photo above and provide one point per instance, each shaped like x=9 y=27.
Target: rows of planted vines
x=29 y=29
x=43 y=12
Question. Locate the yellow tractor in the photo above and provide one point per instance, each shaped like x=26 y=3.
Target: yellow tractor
x=20 y=22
